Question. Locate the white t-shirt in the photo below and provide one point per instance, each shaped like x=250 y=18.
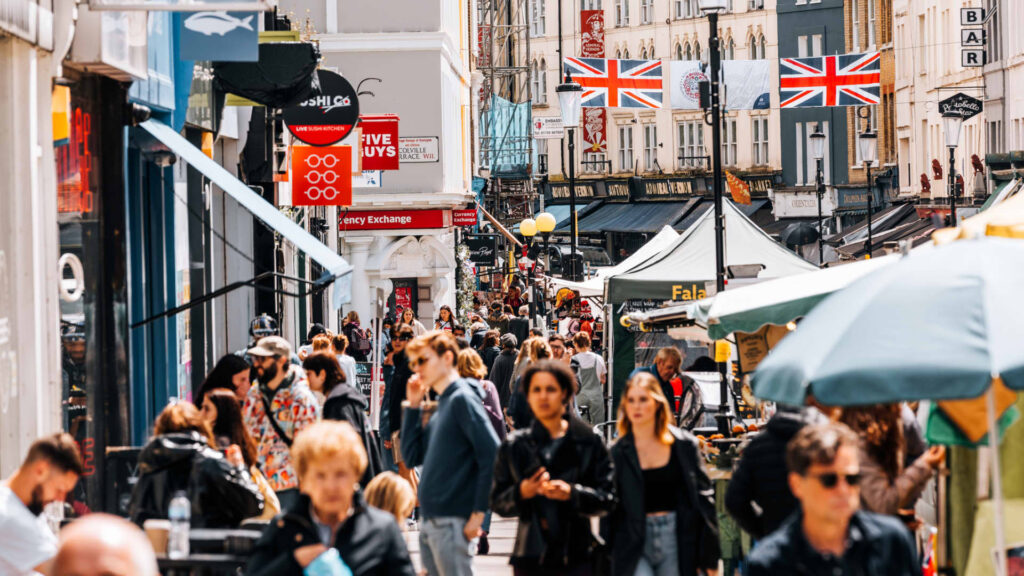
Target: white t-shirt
x=590 y=359
x=348 y=366
x=25 y=539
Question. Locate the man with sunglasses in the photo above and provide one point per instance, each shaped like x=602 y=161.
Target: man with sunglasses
x=396 y=395
x=456 y=449
x=828 y=534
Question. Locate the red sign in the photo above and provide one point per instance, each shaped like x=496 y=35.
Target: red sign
x=321 y=176
x=464 y=217
x=595 y=130
x=395 y=219
x=74 y=166
x=380 y=141
x=592 y=41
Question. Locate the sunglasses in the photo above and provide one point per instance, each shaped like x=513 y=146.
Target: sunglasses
x=831 y=479
x=418 y=361
x=404 y=338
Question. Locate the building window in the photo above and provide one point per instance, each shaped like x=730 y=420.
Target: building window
x=855 y=28
x=808 y=45
x=730 y=50
x=542 y=94
x=618 y=54
x=626 y=148
x=687 y=52
x=760 y=132
x=691 y=143
x=643 y=53
x=541 y=146
x=646 y=11
x=538 y=82
x=591 y=4
x=625 y=53
x=651 y=148
x=686 y=8
x=764 y=46
x=537 y=18
x=729 y=142
x=752 y=48
x=806 y=167
x=994 y=38
x=995 y=137
x=871 y=23
x=594 y=162
x=621 y=13
x=696 y=51
x=679 y=52
x=650 y=52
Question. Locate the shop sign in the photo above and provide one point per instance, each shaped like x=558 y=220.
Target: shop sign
x=483 y=249
x=760 y=185
x=466 y=217
x=380 y=141
x=221 y=36
x=395 y=220
x=595 y=130
x=562 y=191
x=617 y=189
x=592 y=40
x=856 y=199
x=420 y=149
x=547 y=127
x=321 y=176
x=794 y=204
x=325 y=119
x=962 y=104
x=654 y=188
x=75 y=166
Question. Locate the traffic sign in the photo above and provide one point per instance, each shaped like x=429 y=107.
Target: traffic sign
x=962 y=104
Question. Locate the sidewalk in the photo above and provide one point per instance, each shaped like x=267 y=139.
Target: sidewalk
x=495 y=563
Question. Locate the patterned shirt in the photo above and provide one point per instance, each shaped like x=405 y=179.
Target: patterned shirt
x=294 y=407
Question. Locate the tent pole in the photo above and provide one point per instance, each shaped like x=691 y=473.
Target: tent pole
x=997 y=480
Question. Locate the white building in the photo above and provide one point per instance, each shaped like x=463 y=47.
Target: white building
x=418 y=51
x=651 y=141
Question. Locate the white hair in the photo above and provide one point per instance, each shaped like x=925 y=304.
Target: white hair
x=104 y=529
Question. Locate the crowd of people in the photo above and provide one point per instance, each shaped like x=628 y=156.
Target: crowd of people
x=495 y=419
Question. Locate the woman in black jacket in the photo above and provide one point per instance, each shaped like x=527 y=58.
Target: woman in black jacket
x=665 y=520
x=181 y=457
x=344 y=402
x=554 y=476
x=331 y=513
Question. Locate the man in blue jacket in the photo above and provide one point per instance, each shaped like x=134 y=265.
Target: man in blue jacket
x=456 y=450
x=828 y=534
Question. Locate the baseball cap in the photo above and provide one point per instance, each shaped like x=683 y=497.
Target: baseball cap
x=271 y=346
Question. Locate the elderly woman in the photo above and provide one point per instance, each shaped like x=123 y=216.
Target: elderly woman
x=331 y=513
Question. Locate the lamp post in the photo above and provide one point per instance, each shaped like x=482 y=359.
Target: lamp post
x=546 y=225
x=570 y=96
x=951 y=123
x=711 y=9
x=868 y=142
x=528 y=228
x=817 y=148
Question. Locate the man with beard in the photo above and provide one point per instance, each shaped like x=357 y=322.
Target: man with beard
x=50 y=471
x=278 y=406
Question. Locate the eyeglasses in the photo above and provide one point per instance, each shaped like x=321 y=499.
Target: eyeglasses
x=831 y=479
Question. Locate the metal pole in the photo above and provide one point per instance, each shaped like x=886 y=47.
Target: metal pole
x=716 y=155
x=561 y=58
x=952 y=186
x=871 y=204
x=821 y=225
x=572 y=204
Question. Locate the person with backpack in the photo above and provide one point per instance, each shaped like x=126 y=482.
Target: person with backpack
x=359 y=344
x=278 y=406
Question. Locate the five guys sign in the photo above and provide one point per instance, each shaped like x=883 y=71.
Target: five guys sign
x=380 y=141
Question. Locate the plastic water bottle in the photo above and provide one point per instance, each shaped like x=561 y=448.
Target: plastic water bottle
x=180 y=515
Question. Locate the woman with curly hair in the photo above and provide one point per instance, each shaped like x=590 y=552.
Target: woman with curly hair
x=886 y=486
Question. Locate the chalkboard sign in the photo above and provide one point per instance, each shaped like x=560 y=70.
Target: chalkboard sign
x=483 y=249
x=364 y=371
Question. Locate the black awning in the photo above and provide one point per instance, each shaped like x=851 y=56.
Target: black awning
x=637 y=217
x=283 y=76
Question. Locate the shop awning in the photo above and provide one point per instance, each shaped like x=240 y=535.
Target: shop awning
x=645 y=217
x=336 y=268
x=1003 y=191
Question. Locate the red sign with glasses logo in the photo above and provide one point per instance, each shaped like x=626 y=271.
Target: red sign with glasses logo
x=321 y=176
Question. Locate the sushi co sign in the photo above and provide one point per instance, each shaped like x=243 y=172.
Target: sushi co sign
x=220 y=36
x=326 y=118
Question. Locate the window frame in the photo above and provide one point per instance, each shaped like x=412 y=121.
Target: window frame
x=625 y=136
x=650 y=130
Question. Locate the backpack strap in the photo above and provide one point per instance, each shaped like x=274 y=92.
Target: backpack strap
x=274 y=423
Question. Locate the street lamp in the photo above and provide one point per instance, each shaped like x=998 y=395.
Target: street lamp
x=528 y=228
x=817 y=148
x=546 y=225
x=951 y=123
x=868 y=142
x=570 y=96
x=711 y=9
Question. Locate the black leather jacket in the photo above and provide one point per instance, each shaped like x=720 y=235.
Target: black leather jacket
x=696 y=519
x=221 y=494
x=346 y=403
x=582 y=461
x=369 y=541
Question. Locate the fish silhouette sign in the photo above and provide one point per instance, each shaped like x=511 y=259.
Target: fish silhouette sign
x=219 y=36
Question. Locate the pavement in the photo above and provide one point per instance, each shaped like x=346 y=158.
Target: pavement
x=495 y=563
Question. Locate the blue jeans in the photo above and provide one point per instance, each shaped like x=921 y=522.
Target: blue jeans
x=444 y=549
x=661 y=556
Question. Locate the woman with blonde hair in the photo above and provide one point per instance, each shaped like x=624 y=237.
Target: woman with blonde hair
x=664 y=521
x=392 y=493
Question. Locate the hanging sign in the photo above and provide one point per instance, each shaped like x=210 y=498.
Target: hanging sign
x=962 y=104
x=483 y=249
x=380 y=141
x=592 y=41
x=595 y=130
x=322 y=176
x=466 y=217
x=220 y=36
x=325 y=119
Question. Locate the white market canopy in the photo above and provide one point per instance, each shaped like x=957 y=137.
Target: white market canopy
x=594 y=286
x=688 y=263
x=777 y=301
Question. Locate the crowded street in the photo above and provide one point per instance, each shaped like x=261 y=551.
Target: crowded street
x=516 y=287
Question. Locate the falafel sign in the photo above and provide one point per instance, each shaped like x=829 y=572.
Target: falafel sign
x=326 y=118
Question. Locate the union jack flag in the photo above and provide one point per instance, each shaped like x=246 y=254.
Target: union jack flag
x=841 y=80
x=617 y=83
